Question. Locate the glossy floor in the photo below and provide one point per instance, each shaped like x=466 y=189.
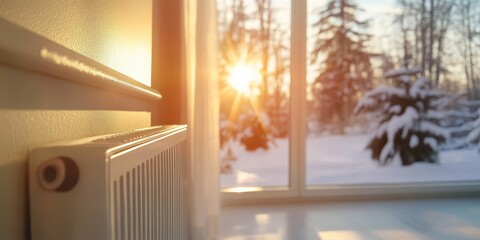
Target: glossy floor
x=427 y=219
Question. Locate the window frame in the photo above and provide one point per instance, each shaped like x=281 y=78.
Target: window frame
x=296 y=169
x=298 y=190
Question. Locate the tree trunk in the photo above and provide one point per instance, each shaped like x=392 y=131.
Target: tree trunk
x=432 y=39
x=471 y=60
x=423 y=36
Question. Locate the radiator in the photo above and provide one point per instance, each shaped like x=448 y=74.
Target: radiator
x=123 y=186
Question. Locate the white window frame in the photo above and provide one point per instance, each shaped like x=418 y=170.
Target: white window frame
x=296 y=170
x=297 y=189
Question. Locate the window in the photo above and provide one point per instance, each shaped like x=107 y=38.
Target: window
x=255 y=93
x=383 y=95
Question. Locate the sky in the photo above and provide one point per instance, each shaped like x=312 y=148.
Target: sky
x=378 y=12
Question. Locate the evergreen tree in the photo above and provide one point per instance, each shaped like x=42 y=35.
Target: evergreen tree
x=255 y=133
x=343 y=63
x=411 y=114
x=474 y=135
x=458 y=118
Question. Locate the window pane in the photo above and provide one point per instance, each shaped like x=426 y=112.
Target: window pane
x=254 y=41
x=393 y=91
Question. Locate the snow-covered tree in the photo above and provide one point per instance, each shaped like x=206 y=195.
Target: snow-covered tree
x=343 y=62
x=457 y=117
x=254 y=132
x=410 y=112
x=474 y=135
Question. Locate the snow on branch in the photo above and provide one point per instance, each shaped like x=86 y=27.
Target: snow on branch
x=474 y=135
x=392 y=73
x=434 y=130
x=401 y=123
x=378 y=96
x=439 y=115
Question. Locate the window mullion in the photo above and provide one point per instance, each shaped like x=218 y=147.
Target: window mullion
x=297 y=98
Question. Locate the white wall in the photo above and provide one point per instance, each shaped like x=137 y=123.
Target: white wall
x=116 y=33
x=36 y=109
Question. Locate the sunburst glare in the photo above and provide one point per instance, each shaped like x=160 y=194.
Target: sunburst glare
x=245 y=78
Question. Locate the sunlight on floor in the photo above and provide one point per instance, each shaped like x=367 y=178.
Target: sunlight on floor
x=339 y=235
x=242 y=189
x=258 y=237
x=465 y=231
x=399 y=235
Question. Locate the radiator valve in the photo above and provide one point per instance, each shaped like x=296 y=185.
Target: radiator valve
x=58 y=174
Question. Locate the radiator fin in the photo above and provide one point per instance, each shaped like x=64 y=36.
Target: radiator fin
x=150 y=199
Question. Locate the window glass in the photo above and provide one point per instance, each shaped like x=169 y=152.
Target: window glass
x=254 y=43
x=393 y=92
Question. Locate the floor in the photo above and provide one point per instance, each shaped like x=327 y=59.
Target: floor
x=428 y=219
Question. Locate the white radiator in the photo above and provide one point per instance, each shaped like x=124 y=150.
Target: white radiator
x=115 y=187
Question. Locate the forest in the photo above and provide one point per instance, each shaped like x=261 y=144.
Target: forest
x=403 y=74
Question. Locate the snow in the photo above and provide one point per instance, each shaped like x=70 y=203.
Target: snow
x=265 y=119
x=474 y=135
x=344 y=160
x=413 y=141
x=417 y=90
x=434 y=129
x=402 y=122
x=381 y=93
x=248 y=132
x=259 y=168
x=420 y=90
x=402 y=71
x=473 y=103
x=432 y=142
x=438 y=115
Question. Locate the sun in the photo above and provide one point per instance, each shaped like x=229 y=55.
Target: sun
x=244 y=78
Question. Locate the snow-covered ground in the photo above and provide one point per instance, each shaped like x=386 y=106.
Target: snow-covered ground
x=344 y=160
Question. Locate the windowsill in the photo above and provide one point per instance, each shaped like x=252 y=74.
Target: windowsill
x=450 y=218
x=354 y=193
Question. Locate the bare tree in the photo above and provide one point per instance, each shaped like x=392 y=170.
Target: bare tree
x=424 y=26
x=264 y=14
x=443 y=16
x=468 y=32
